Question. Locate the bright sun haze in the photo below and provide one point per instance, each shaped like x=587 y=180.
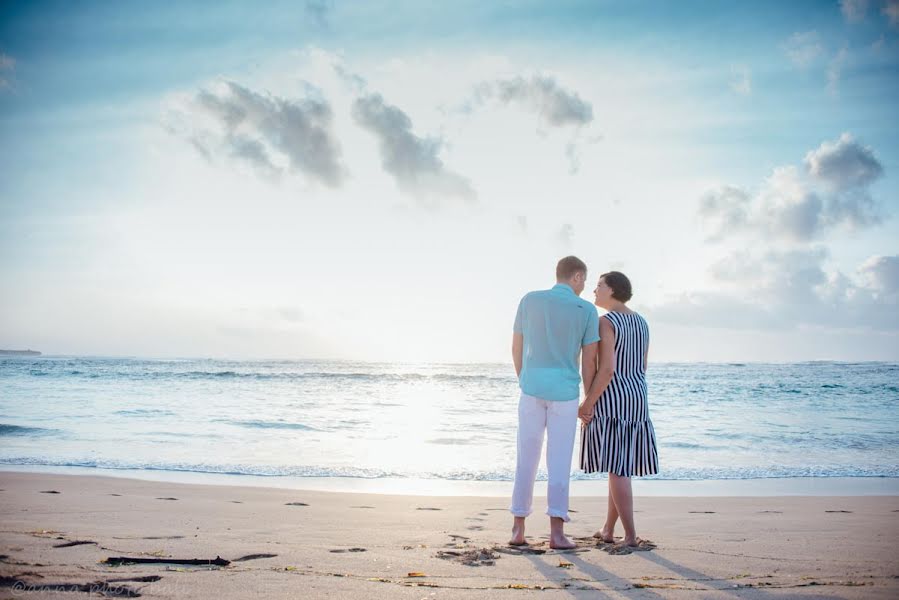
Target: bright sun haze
x=383 y=181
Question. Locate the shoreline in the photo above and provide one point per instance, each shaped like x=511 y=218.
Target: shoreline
x=763 y=487
x=61 y=530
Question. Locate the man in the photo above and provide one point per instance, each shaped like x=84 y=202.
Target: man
x=551 y=328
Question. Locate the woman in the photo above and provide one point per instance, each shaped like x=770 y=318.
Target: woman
x=617 y=436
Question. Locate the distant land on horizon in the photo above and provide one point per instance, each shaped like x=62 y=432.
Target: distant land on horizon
x=19 y=353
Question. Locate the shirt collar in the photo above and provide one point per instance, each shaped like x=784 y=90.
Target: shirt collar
x=562 y=287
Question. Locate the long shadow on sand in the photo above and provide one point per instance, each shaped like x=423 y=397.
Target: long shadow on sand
x=599 y=575
x=619 y=584
x=715 y=583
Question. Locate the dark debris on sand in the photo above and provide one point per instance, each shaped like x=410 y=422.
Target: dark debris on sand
x=254 y=557
x=473 y=557
x=124 y=560
x=74 y=543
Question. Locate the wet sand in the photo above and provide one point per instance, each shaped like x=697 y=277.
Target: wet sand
x=83 y=533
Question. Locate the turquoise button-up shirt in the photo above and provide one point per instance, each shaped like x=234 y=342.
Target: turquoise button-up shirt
x=555 y=324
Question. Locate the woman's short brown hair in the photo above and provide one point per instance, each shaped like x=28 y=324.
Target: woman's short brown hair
x=620 y=284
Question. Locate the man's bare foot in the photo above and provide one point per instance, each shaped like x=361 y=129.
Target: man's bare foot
x=518 y=534
x=606 y=536
x=560 y=542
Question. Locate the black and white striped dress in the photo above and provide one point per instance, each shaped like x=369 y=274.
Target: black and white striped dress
x=620 y=438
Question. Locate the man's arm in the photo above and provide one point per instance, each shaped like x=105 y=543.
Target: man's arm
x=517 y=351
x=606 y=363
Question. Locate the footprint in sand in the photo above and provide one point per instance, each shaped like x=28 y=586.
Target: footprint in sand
x=50 y=492
x=475 y=528
x=166 y=498
x=474 y=557
x=702 y=512
x=427 y=508
x=235 y=502
x=113 y=494
x=342 y=550
x=776 y=512
x=518 y=550
x=839 y=511
x=624 y=549
x=296 y=504
x=362 y=507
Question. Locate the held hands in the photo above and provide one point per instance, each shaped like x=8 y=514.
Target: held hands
x=585 y=411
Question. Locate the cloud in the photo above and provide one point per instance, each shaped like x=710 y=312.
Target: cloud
x=844 y=164
x=740 y=82
x=269 y=133
x=854 y=10
x=412 y=161
x=881 y=274
x=556 y=106
x=724 y=210
x=835 y=69
x=781 y=277
x=7 y=67
x=780 y=290
x=793 y=204
x=784 y=208
x=565 y=235
x=318 y=11
x=804 y=48
x=891 y=11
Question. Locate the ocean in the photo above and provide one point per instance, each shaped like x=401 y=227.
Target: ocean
x=449 y=422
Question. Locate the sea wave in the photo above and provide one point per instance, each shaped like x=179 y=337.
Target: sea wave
x=507 y=475
x=270 y=425
x=7 y=429
x=218 y=375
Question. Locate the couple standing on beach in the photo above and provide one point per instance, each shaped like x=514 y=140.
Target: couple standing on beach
x=552 y=328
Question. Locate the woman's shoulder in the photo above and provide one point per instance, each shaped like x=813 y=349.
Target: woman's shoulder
x=616 y=314
x=615 y=317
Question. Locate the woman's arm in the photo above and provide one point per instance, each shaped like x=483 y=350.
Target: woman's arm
x=645 y=359
x=606 y=362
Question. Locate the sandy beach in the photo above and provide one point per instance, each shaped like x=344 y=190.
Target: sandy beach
x=61 y=531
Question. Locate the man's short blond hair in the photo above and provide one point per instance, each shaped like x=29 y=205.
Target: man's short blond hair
x=568 y=266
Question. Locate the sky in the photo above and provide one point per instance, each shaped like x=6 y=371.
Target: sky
x=383 y=181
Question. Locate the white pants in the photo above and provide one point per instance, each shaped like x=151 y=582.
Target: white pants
x=559 y=421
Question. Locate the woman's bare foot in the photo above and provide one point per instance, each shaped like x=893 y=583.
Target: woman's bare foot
x=518 y=533
x=560 y=542
x=606 y=536
x=633 y=542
